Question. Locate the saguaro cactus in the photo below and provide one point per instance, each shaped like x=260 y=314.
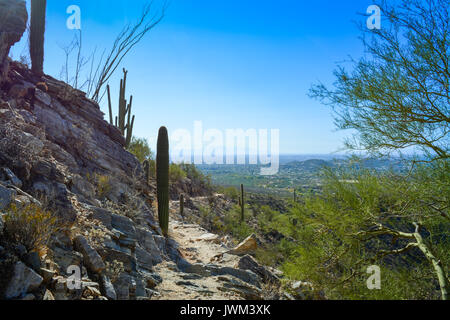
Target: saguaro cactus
x=146 y=166
x=123 y=121
x=182 y=205
x=242 y=203
x=162 y=179
x=37 y=30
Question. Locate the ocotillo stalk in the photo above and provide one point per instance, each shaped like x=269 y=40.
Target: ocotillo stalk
x=37 y=31
x=295 y=196
x=182 y=205
x=242 y=204
x=162 y=179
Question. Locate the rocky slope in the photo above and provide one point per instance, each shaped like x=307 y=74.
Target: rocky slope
x=57 y=152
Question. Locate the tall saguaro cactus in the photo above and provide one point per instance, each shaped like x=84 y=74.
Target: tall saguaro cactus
x=242 y=203
x=123 y=121
x=37 y=30
x=162 y=179
x=182 y=205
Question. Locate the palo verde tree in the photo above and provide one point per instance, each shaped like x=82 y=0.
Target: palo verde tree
x=396 y=97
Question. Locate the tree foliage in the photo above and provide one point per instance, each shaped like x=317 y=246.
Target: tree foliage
x=397 y=96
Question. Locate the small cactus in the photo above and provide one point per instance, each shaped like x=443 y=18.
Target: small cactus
x=146 y=166
x=182 y=205
x=37 y=31
x=242 y=203
x=162 y=179
x=124 y=121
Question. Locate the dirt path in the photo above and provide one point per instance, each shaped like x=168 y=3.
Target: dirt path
x=197 y=245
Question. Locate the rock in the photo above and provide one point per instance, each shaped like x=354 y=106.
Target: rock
x=43 y=97
x=151 y=279
x=6 y=197
x=33 y=260
x=64 y=259
x=8 y=176
x=122 y=287
x=209 y=237
x=48 y=295
x=108 y=288
x=61 y=291
x=23 y=281
x=305 y=291
x=13 y=17
x=247 y=246
x=247 y=291
x=47 y=275
x=28 y=297
x=244 y=275
x=111 y=255
x=91 y=292
x=91 y=258
x=249 y=263
x=195 y=268
x=144 y=259
x=140 y=288
x=147 y=242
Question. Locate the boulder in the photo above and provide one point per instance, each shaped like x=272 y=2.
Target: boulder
x=8 y=176
x=91 y=258
x=6 y=197
x=48 y=295
x=147 y=242
x=24 y=280
x=247 y=246
x=33 y=260
x=244 y=275
x=122 y=286
x=144 y=259
x=247 y=291
x=249 y=263
x=108 y=288
x=66 y=258
x=47 y=275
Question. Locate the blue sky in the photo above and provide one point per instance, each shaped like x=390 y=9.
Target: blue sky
x=230 y=64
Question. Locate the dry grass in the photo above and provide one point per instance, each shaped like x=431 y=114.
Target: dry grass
x=30 y=226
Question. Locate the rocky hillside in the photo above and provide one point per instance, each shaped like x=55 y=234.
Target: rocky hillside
x=77 y=218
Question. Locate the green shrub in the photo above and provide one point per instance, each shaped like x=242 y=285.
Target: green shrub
x=140 y=149
x=176 y=173
x=30 y=226
x=231 y=192
x=234 y=226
